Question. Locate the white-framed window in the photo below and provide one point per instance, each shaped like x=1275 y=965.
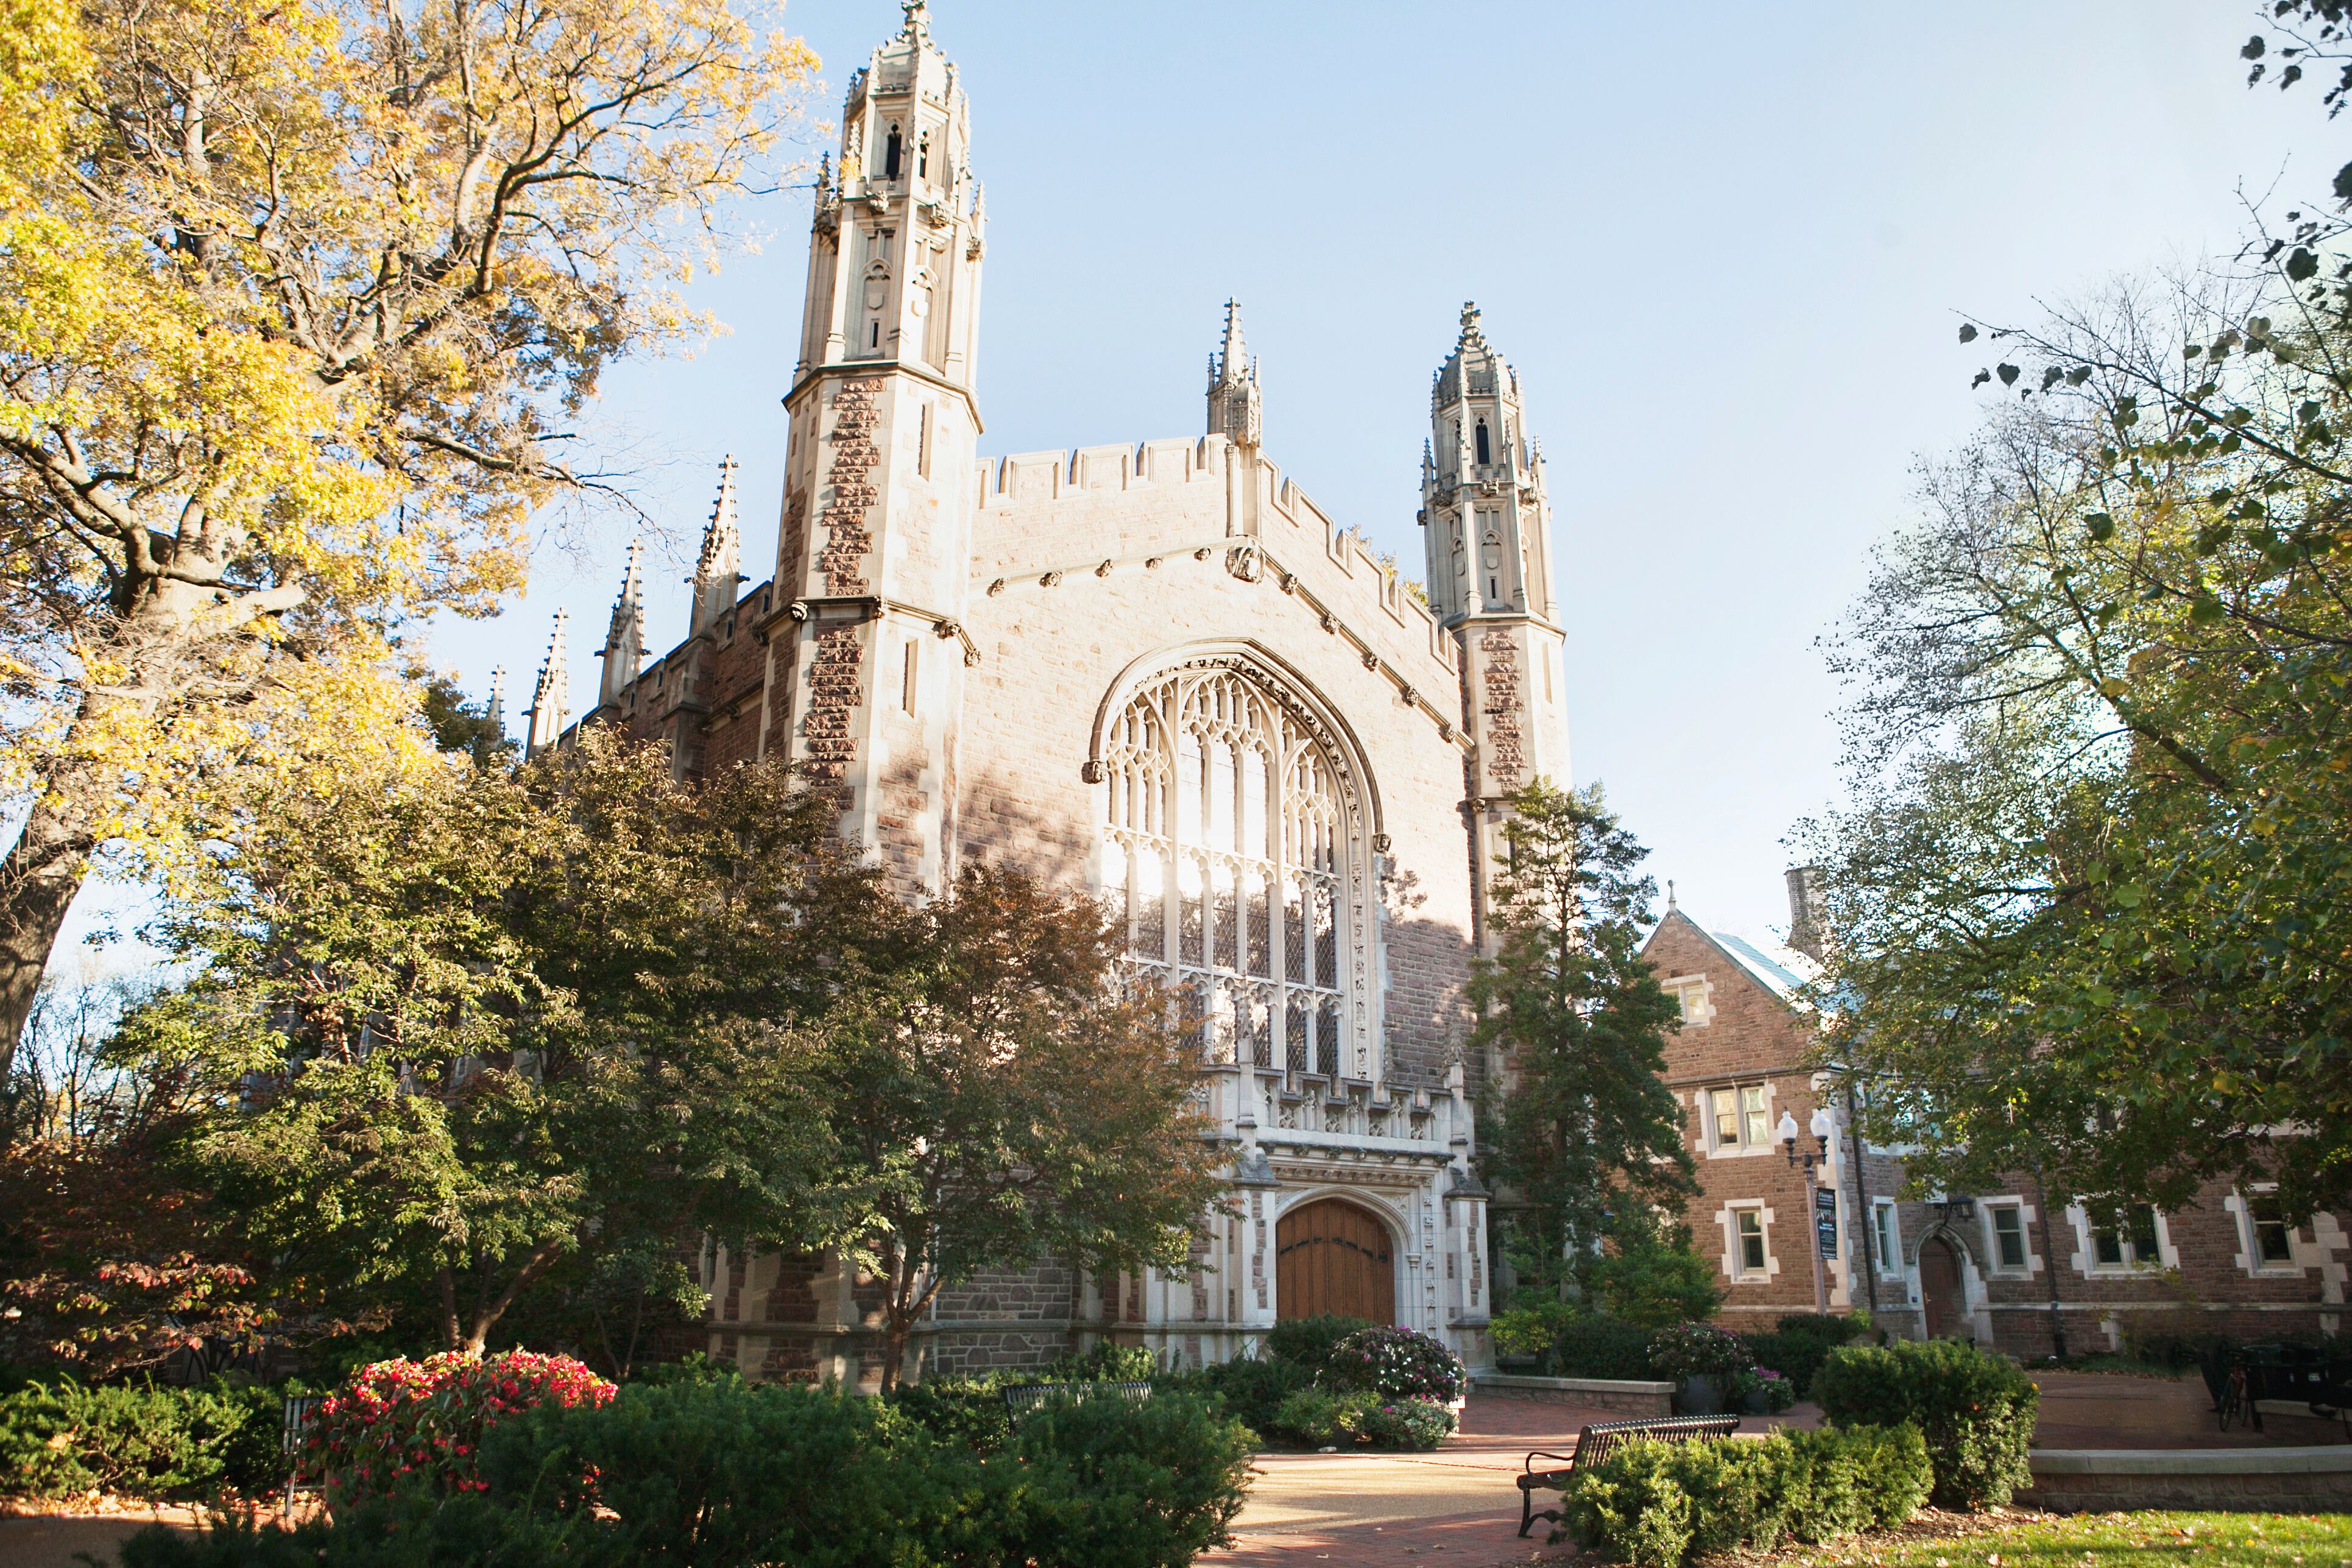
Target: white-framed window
x=1695 y=997
x=1739 y=1119
x=1752 y=1248
x=1232 y=844
x=1887 y=1232
x=2006 y=1242
x=2262 y=1231
x=2134 y=1241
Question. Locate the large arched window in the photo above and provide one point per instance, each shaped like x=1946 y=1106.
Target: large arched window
x=1232 y=843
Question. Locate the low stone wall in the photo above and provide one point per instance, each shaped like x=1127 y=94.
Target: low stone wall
x=1619 y=1398
x=2227 y=1480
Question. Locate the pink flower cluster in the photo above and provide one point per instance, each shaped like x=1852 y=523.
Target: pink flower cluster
x=401 y=1422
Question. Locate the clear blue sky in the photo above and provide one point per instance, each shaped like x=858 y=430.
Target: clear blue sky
x=1724 y=244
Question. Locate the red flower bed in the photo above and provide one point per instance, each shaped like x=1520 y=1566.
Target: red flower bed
x=405 y=1421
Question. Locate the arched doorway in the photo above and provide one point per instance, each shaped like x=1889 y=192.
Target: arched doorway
x=1333 y=1257
x=1941 y=1294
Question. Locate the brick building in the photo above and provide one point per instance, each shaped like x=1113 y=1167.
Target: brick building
x=1157 y=671
x=1984 y=1266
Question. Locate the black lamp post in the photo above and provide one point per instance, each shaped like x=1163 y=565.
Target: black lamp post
x=1824 y=1129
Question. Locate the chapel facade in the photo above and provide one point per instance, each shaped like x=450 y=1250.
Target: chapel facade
x=1158 y=672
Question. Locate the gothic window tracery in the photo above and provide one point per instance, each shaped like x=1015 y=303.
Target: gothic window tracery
x=1230 y=844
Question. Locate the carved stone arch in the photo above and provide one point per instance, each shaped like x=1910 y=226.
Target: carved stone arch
x=1285 y=679
x=1264 y=917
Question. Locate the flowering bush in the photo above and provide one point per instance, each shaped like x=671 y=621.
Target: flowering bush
x=1398 y=1363
x=423 y=1420
x=1696 y=1350
x=1778 y=1393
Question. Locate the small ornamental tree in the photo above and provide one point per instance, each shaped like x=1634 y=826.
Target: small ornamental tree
x=406 y=1421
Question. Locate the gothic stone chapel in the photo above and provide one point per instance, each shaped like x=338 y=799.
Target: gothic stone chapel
x=1156 y=670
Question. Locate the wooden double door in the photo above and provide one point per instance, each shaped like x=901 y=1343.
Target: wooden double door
x=1332 y=1257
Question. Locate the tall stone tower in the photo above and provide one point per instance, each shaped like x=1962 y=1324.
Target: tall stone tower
x=1489 y=541
x=867 y=642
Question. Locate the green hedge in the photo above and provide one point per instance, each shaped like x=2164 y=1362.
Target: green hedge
x=1310 y=1341
x=1976 y=1411
x=1801 y=1344
x=1658 y=1505
x=729 y=1475
x=1603 y=1347
x=62 y=1438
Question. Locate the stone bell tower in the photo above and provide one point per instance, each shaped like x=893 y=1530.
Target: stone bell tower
x=865 y=641
x=1487 y=533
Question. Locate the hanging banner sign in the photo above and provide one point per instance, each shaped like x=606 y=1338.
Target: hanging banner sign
x=1825 y=1219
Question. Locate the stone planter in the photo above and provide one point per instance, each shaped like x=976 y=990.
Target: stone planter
x=1756 y=1401
x=1699 y=1396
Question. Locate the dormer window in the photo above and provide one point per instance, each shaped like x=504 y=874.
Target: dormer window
x=890 y=152
x=1485 y=453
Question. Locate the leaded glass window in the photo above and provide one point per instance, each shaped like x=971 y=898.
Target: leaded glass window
x=1228 y=846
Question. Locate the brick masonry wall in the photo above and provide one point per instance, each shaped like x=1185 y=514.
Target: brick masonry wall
x=2206 y=1280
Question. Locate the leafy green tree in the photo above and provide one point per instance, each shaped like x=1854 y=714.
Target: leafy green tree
x=465 y=1027
x=1584 y=1126
x=1006 y=1094
x=2085 y=884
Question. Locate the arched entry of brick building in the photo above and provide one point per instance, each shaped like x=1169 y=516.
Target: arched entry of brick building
x=1332 y=1257
x=1942 y=1296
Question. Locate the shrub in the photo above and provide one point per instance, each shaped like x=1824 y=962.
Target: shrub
x=1320 y=1418
x=1309 y=1342
x=1696 y=1350
x=1656 y=1281
x=1603 y=1347
x=1531 y=1330
x=1656 y=1505
x=1396 y=1361
x=1975 y=1411
x=1106 y=1363
x=410 y=1530
x=1249 y=1389
x=1105 y=1484
x=1412 y=1425
x=62 y=1438
x=1804 y=1341
x=720 y=1474
x=1778 y=1392
x=402 y=1419
x=969 y=1411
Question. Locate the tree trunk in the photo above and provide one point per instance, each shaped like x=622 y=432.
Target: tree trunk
x=43 y=871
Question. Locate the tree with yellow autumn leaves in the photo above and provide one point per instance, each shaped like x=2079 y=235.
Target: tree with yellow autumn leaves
x=296 y=301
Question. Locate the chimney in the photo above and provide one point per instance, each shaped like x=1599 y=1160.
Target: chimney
x=1805 y=911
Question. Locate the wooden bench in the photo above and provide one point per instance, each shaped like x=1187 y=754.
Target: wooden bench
x=1594 y=1444
x=1027 y=1398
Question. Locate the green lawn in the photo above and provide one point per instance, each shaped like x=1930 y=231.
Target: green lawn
x=2120 y=1540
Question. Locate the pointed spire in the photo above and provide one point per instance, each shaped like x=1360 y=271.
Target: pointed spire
x=918 y=20
x=1670 y=894
x=551 y=697
x=494 y=714
x=721 y=566
x=624 y=639
x=1230 y=362
x=1234 y=408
